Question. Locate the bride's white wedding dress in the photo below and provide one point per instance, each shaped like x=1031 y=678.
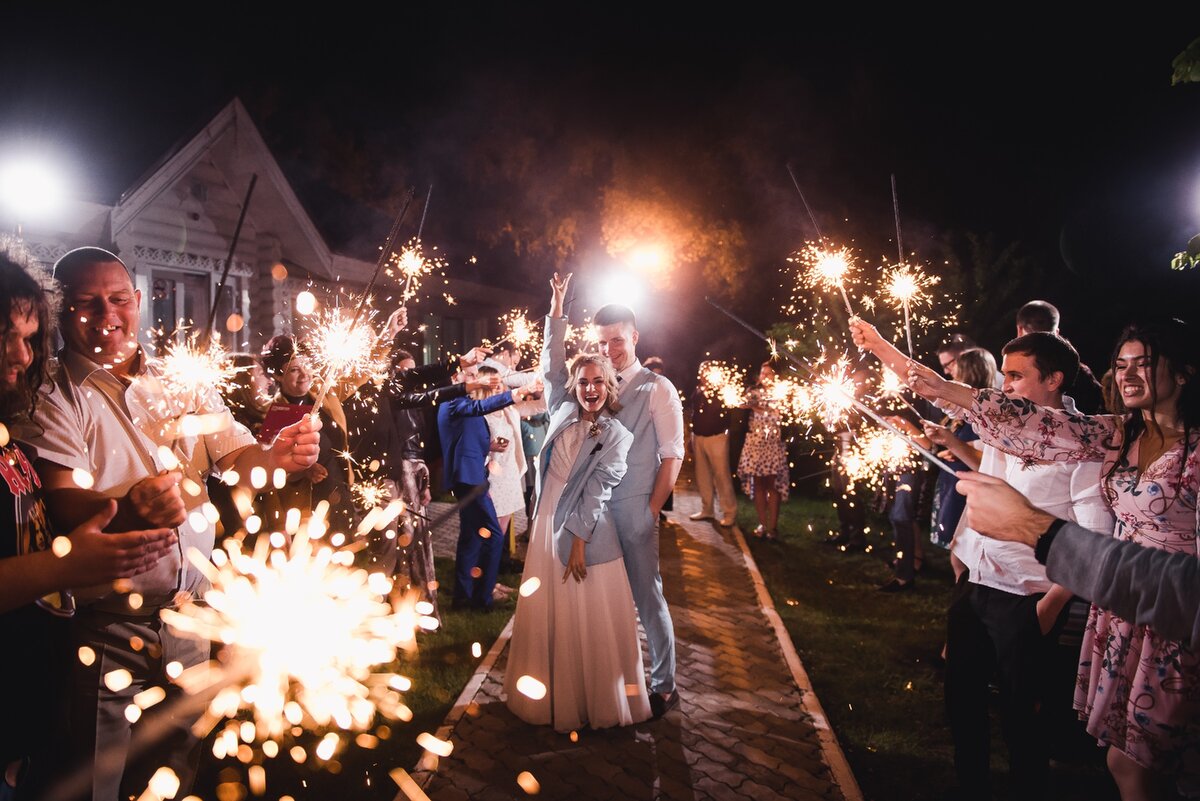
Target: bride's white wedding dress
x=579 y=639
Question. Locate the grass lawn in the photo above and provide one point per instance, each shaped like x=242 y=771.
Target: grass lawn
x=873 y=657
x=439 y=671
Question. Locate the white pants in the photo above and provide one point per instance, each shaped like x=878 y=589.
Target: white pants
x=712 y=465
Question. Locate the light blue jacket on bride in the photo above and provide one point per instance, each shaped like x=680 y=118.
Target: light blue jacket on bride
x=582 y=509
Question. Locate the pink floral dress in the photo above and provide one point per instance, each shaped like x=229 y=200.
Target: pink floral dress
x=1136 y=690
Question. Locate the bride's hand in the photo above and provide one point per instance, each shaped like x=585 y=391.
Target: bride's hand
x=576 y=566
x=558 y=293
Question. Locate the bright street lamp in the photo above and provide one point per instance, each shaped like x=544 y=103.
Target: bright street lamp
x=31 y=189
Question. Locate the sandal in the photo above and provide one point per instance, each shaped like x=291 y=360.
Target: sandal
x=759 y=532
x=772 y=534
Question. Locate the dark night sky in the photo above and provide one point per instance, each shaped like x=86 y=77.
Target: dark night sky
x=1065 y=136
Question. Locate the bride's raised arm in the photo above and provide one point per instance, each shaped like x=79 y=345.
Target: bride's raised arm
x=554 y=347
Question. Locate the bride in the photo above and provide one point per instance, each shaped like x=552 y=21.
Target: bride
x=576 y=635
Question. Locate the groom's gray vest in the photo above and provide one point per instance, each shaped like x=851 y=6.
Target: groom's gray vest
x=635 y=415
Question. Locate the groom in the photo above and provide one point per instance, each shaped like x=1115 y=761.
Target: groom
x=651 y=409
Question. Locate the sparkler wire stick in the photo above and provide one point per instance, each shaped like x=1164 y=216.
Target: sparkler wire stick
x=931 y=457
x=424 y=211
x=807 y=208
x=233 y=243
x=384 y=256
x=900 y=256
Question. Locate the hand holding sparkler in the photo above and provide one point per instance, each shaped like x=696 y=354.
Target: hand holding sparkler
x=397 y=322
x=474 y=356
x=297 y=446
x=157 y=500
x=490 y=382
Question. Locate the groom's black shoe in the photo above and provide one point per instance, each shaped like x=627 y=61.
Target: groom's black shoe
x=660 y=706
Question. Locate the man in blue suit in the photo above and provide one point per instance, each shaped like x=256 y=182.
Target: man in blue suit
x=466 y=443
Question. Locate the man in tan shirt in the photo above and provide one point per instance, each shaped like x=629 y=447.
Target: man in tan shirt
x=100 y=433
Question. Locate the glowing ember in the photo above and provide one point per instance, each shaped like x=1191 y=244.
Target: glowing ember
x=412 y=266
x=190 y=369
x=371 y=494
x=521 y=331
x=907 y=285
x=531 y=687
x=528 y=783
x=340 y=349
x=875 y=454
x=725 y=382
x=529 y=586
x=301 y=634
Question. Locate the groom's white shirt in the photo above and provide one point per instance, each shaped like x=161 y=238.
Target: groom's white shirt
x=666 y=410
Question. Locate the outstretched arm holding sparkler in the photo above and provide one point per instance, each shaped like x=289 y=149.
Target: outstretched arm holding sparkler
x=921 y=379
x=294 y=449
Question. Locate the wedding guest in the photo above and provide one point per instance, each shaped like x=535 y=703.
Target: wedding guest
x=35 y=582
x=506 y=467
x=763 y=466
x=331 y=476
x=466 y=443
x=1085 y=390
x=106 y=415
x=710 y=449
x=1008 y=613
x=1136 y=688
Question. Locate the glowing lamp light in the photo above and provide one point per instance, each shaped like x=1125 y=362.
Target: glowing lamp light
x=621 y=287
x=31 y=189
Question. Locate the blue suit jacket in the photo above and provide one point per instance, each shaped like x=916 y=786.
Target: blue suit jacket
x=466 y=440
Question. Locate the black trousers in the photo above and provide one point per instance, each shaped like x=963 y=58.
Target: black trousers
x=995 y=633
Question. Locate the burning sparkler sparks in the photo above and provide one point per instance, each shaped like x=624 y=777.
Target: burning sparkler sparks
x=875 y=454
x=521 y=331
x=371 y=493
x=303 y=633
x=827 y=268
x=413 y=266
x=341 y=349
x=907 y=286
x=190 y=368
x=725 y=382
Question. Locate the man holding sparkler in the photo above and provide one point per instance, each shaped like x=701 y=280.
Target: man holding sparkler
x=1007 y=613
x=110 y=429
x=651 y=409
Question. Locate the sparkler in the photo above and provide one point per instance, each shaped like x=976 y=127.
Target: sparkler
x=907 y=285
x=893 y=388
x=876 y=453
x=857 y=404
x=521 y=331
x=190 y=367
x=826 y=267
x=371 y=493
x=316 y=672
x=344 y=348
x=725 y=382
x=413 y=266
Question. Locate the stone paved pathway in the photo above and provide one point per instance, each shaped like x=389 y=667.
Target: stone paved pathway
x=744 y=728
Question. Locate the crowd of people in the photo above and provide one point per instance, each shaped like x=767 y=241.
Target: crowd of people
x=105 y=483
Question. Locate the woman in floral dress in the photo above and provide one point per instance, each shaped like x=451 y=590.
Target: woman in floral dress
x=763 y=467
x=1138 y=693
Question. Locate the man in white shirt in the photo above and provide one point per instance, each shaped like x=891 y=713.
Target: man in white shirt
x=1006 y=612
x=651 y=409
x=111 y=428
x=505 y=358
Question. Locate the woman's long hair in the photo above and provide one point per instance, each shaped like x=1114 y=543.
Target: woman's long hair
x=975 y=367
x=25 y=289
x=611 y=404
x=1171 y=345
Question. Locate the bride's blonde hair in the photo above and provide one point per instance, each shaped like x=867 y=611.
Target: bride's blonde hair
x=611 y=404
